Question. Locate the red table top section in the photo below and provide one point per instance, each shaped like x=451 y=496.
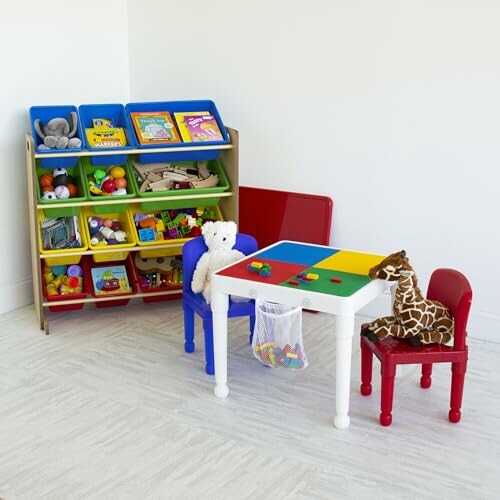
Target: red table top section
x=280 y=271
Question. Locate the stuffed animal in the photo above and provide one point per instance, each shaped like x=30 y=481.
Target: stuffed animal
x=58 y=133
x=220 y=238
x=415 y=318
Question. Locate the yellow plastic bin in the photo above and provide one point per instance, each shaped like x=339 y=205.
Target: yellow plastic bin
x=169 y=227
x=122 y=248
x=62 y=229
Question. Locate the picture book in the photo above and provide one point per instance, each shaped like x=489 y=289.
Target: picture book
x=106 y=137
x=180 y=119
x=154 y=127
x=60 y=232
x=203 y=128
x=108 y=280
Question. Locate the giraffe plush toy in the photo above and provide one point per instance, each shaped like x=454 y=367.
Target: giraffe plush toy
x=416 y=319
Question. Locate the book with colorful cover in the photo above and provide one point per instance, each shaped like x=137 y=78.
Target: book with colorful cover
x=106 y=137
x=203 y=128
x=180 y=118
x=109 y=280
x=154 y=127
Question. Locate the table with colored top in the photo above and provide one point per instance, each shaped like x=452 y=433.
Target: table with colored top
x=341 y=287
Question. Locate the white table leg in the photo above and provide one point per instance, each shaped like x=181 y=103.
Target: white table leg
x=344 y=330
x=220 y=304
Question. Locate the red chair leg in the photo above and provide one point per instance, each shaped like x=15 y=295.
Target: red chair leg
x=366 y=369
x=426 y=378
x=388 y=372
x=457 y=388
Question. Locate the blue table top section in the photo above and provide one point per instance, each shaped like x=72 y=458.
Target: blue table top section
x=297 y=253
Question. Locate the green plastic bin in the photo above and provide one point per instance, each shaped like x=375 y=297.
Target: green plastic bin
x=214 y=166
x=89 y=169
x=52 y=210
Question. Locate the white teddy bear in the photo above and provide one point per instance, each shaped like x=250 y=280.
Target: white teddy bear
x=220 y=238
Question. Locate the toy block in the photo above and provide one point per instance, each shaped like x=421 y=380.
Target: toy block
x=146 y=234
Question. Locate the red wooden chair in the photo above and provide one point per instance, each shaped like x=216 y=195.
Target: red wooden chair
x=452 y=289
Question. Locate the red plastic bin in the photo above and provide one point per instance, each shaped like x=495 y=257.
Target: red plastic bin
x=73 y=296
x=124 y=297
x=156 y=264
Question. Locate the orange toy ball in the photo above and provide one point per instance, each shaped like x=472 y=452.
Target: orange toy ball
x=45 y=180
x=72 y=190
x=47 y=188
x=121 y=183
x=117 y=172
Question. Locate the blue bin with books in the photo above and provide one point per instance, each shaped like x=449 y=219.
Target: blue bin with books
x=177 y=125
x=40 y=116
x=106 y=129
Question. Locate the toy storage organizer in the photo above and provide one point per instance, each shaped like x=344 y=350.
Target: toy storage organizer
x=133 y=255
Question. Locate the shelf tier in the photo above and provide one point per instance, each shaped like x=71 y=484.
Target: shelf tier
x=139 y=295
x=170 y=149
x=114 y=249
x=41 y=206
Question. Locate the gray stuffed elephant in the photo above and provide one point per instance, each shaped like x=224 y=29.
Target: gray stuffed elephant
x=59 y=133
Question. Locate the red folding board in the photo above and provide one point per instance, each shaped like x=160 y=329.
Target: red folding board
x=271 y=215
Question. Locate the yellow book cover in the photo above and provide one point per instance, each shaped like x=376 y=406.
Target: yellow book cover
x=180 y=118
x=106 y=137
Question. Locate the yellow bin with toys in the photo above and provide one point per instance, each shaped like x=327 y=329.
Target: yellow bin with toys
x=110 y=235
x=172 y=227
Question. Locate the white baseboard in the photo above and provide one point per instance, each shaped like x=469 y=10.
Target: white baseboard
x=481 y=325
x=15 y=297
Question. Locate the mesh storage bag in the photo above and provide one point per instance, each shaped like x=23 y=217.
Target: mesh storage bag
x=277 y=338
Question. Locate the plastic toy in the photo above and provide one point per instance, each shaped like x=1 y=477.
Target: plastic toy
x=273 y=355
x=111 y=182
x=105 y=231
x=336 y=280
x=220 y=238
x=159 y=272
x=59 y=281
x=415 y=318
x=306 y=278
x=172 y=224
x=58 y=133
x=260 y=268
x=57 y=185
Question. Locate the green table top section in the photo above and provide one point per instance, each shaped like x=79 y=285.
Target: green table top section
x=350 y=283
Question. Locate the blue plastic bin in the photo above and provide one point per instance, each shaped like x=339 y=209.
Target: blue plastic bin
x=45 y=114
x=115 y=113
x=174 y=107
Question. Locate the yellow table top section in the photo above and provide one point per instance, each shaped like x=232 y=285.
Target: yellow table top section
x=351 y=262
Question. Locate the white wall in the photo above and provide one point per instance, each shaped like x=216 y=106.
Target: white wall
x=53 y=52
x=389 y=107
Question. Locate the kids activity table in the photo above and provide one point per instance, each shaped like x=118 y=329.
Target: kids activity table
x=342 y=288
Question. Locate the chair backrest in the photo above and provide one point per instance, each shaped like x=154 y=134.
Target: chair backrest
x=452 y=289
x=195 y=248
x=272 y=215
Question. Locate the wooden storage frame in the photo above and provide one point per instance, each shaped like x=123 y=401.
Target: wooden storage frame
x=228 y=205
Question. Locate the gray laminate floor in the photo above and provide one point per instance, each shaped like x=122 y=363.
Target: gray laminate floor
x=110 y=407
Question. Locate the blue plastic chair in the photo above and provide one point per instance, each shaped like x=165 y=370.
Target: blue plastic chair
x=195 y=302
